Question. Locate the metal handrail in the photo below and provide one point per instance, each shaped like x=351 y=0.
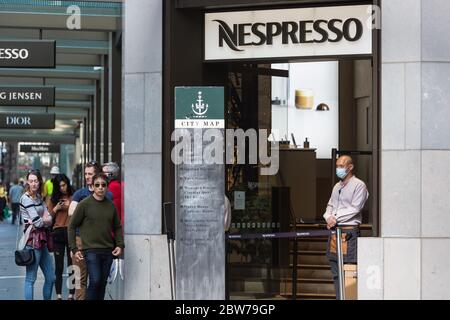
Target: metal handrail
x=340 y=258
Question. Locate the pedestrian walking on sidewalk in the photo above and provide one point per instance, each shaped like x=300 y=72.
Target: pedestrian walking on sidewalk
x=91 y=169
x=101 y=236
x=36 y=216
x=15 y=193
x=3 y=200
x=58 y=208
x=112 y=172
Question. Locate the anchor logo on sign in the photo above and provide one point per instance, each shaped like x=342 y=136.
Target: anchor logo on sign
x=200 y=108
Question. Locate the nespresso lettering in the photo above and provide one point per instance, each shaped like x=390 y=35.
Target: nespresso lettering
x=13 y=54
x=291 y=32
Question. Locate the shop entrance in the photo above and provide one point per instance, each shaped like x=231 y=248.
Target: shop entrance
x=282 y=73
x=316 y=110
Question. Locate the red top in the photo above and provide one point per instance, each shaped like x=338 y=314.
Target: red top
x=116 y=189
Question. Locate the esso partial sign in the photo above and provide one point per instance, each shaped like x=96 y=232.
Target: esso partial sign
x=27 y=53
x=299 y=32
x=13 y=54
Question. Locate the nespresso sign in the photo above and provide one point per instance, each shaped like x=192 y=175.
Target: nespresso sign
x=29 y=96
x=27 y=121
x=27 y=54
x=39 y=148
x=306 y=32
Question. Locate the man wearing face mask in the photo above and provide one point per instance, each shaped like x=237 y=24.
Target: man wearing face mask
x=344 y=210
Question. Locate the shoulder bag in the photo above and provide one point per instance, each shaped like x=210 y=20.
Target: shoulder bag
x=24 y=257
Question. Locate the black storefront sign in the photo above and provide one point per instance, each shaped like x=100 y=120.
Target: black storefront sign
x=27 y=121
x=39 y=148
x=29 y=96
x=28 y=54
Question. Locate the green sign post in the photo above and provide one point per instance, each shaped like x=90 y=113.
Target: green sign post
x=200 y=194
x=199 y=107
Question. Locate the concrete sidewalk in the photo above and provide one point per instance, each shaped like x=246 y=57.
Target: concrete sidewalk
x=12 y=277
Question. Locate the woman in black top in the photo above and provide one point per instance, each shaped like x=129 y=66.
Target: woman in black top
x=58 y=208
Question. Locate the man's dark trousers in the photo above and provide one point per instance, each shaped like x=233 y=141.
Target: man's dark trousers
x=98 y=263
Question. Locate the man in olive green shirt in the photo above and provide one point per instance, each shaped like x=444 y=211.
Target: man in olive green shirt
x=101 y=236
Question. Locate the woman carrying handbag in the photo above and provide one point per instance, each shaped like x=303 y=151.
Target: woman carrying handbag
x=35 y=215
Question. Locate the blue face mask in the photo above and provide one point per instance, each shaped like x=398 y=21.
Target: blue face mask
x=341 y=173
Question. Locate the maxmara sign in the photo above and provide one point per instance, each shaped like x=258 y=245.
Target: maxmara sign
x=39 y=148
x=305 y=32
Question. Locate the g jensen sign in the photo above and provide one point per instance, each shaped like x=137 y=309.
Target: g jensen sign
x=306 y=32
x=27 y=54
x=27 y=121
x=30 y=96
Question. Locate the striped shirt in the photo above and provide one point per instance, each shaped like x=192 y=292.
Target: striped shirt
x=32 y=210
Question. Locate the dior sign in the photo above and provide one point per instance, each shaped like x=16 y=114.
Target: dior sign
x=18 y=120
x=27 y=121
x=305 y=32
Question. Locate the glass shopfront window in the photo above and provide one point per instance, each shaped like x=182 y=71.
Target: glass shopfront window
x=313 y=86
x=316 y=107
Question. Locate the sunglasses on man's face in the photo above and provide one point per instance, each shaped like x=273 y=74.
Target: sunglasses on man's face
x=97 y=185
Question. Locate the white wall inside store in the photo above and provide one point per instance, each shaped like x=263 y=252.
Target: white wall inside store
x=320 y=127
